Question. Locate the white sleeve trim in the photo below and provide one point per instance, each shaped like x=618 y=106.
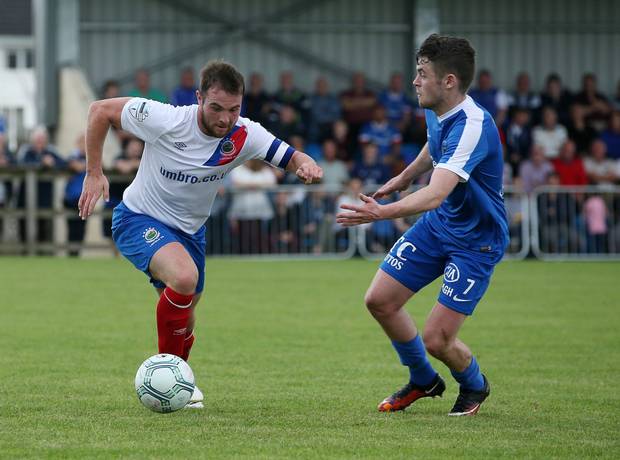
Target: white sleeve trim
x=456 y=170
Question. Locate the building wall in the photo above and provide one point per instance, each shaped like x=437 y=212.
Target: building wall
x=566 y=36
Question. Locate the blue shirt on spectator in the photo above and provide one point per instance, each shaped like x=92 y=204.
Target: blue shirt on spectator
x=382 y=134
x=397 y=105
x=182 y=96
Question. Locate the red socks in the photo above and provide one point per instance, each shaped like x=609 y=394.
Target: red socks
x=173 y=314
x=187 y=346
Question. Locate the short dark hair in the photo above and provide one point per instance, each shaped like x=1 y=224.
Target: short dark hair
x=450 y=55
x=222 y=74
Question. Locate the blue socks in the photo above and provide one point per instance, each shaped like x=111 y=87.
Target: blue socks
x=413 y=355
x=470 y=378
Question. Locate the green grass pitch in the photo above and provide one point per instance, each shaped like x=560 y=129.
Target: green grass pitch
x=292 y=365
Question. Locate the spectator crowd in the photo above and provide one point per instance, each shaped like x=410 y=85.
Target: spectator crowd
x=361 y=137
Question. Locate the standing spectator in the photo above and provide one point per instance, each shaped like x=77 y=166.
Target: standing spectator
x=285 y=226
x=142 y=81
x=616 y=101
x=185 y=93
x=559 y=230
x=611 y=136
x=596 y=106
x=335 y=171
x=358 y=103
x=256 y=101
x=600 y=169
x=534 y=172
x=110 y=89
x=251 y=210
x=550 y=134
x=40 y=154
x=518 y=137
x=73 y=190
x=569 y=166
x=383 y=135
x=493 y=99
x=523 y=97
x=370 y=169
x=324 y=111
x=557 y=97
x=398 y=105
x=7 y=159
x=578 y=130
x=596 y=214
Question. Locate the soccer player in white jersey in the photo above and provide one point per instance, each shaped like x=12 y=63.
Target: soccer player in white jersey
x=159 y=225
x=462 y=235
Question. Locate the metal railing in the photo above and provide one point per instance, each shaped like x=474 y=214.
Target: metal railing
x=552 y=223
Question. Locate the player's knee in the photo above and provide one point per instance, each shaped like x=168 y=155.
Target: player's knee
x=378 y=306
x=435 y=343
x=185 y=281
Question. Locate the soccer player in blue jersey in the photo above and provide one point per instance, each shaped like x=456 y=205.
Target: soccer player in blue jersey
x=462 y=234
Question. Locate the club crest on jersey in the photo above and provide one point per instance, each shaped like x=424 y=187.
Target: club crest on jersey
x=229 y=147
x=139 y=110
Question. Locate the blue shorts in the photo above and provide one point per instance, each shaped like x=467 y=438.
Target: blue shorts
x=138 y=237
x=420 y=256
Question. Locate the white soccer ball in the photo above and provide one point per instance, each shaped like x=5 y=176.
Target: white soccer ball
x=164 y=383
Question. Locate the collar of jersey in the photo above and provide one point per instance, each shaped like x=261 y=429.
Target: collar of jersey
x=468 y=100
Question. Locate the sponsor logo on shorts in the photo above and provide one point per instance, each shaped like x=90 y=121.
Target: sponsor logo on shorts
x=151 y=235
x=451 y=274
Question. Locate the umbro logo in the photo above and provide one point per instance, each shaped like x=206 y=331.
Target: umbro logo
x=180 y=145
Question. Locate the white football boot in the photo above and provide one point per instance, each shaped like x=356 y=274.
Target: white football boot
x=196 y=401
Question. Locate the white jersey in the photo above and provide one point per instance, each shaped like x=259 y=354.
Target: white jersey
x=182 y=168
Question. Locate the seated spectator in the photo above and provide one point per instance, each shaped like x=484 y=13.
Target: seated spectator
x=494 y=100
x=110 y=89
x=324 y=111
x=251 y=210
x=335 y=172
x=569 y=166
x=42 y=155
x=185 y=93
x=256 y=102
x=578 y=130
x=284 y=227
x=518 y=137
x=397 y=103
x=287 y=125
x=611 y=136
x=383 y=135
x=596 y=106
x=358 y=103
x=523 y=97
x=340 y=135
x=126 y=164
x=557 y=97
x=289 y=94
x=73 y=190
x=7 y=159
x=142 y=81
x=371 y=170
x=534 y=172
x=600 y=169
x=550 y=134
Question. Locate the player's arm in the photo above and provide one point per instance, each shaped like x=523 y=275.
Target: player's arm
x=441 y=184
x=416 y=168
x=101 y=115
x=304 y=167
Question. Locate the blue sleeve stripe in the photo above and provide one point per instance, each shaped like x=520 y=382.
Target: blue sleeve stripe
x=286 y=158
x=272 y=150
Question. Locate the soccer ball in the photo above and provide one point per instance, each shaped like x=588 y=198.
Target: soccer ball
x=164 y=383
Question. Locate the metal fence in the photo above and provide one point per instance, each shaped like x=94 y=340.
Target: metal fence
x=299 y=221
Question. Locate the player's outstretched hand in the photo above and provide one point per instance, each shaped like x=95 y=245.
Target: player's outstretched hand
x=395 y=184
x=93 y=187
x=310 y=172
x=361 y=214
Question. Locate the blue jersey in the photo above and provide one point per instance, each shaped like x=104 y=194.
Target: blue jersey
x=465 y=140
